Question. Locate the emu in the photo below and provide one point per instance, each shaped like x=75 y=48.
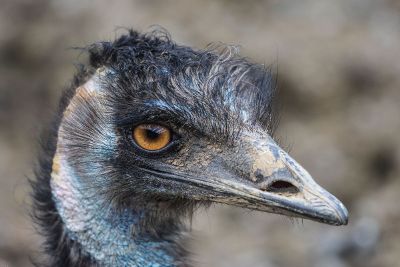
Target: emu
x=149 y=131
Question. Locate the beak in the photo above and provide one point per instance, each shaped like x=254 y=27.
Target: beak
x=277 y=184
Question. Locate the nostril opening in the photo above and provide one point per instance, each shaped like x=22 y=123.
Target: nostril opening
x=282 y=187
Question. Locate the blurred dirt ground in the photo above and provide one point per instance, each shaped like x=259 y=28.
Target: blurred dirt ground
x=338 y=68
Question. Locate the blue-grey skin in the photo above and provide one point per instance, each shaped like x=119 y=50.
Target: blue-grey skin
x=243 y=173
x=104 y=233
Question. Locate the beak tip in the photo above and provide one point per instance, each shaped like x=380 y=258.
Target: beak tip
x=338 y=215
x=333 y=212
x=343 y=215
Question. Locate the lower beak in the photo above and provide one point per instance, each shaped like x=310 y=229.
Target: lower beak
x=278 y=184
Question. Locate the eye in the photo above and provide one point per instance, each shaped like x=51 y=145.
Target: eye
x=151 y=137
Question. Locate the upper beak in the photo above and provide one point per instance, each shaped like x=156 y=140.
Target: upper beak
x=278 y=184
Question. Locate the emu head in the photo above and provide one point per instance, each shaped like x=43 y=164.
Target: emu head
x=166 y=126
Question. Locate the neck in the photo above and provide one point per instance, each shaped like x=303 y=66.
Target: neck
x=109 y=236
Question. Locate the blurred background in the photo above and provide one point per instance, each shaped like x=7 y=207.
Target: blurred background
x=338 y=70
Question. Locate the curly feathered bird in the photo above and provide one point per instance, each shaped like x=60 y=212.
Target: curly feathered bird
x=149 y=131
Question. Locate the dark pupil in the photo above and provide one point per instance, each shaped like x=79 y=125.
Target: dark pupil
x=153 y=133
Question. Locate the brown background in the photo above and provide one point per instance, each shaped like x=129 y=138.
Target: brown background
x=338 y=65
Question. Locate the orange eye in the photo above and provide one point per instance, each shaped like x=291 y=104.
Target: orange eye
x=151 y=137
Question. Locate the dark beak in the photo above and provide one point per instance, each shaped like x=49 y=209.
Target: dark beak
x=277 y=183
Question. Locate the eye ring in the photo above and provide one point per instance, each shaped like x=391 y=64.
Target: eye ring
x=151 y=137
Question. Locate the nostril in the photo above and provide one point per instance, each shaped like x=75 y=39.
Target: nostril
x=282 y=187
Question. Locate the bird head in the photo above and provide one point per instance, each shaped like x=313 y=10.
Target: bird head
x=155 y=122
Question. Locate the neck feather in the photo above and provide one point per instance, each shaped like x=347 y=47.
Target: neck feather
x=110 y=236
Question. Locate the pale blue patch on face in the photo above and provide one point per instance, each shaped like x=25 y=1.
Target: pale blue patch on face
x=103 y=232
x=106 y=233
x=162 y=105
